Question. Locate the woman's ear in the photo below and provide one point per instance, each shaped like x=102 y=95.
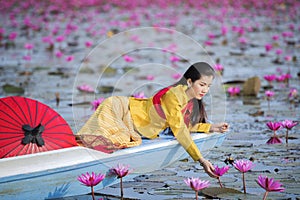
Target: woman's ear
x=189 y=82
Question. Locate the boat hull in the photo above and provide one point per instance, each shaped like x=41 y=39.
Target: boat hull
x=54 y=174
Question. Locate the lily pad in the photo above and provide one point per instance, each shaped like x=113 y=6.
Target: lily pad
x=107 y=89
x=157 y=176
x=184 y=60
x=56 y=73
x=12 y=89
x=128 y=68
x=39 y=68
x=87 y=70
x=110 y=71
x=216 y=192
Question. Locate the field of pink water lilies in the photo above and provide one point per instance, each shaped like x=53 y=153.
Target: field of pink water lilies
x=56 y=52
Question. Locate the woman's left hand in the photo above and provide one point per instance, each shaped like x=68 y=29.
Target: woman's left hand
x=219 y=127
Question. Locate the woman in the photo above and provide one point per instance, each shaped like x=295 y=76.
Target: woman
x=122 y=121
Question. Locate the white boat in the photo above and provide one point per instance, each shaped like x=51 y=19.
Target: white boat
x=53 y=174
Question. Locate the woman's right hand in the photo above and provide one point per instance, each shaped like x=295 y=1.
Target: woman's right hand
x=208 y=167
x=219 y=127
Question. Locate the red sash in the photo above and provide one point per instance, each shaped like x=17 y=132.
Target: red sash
x=157 y=101
x=186 y=111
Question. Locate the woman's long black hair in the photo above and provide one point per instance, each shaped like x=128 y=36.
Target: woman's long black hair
x=194 y=72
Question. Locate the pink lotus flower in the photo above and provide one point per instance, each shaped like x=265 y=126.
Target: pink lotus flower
x=293 y=93
x=268 y=47
x=71 y=27
x=286 y=34
x=150 y=77
x=284 y=77
x=128 y=58
x=27 y=21
x=28 y=46
x=243 y=40
x=234 y=90
x=280 y=78
x=174 y=59
x=2 y=31
x=196 y=184
x=241 y=31
x=224 y=30
x=58 y=54
x=274 y=126
x=176 y=76
x=139 y=95
x=211 y=35
x=275 y=37
x=208 y=43
x=287 y=77
x=88 y=44
x=12 y=36
x=96 y=103
x=269 y=94
x=120 y=171
x=278 y=52
x=69 y=58
x=292 y=27
x=91 y=180
x=270 y=78
x=243 y=166
x=47 y=39
x=269 y=184
x=55 y=30
x=219 y=67
x=85 y=88
x=60 y=38
x=220 y=172
x=288 y=58
x=288 y=125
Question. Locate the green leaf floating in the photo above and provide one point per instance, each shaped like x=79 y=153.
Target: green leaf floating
x=8 y=88
x=216 y=192
x=107 y=89
x=130 y=69
x=109 y=71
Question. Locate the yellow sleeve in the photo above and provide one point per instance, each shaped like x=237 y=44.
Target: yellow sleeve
x=172 y=108
x=200 y=127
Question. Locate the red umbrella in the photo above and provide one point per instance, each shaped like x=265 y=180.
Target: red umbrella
x=28 y=126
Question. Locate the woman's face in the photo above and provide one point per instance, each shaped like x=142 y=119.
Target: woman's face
x=200 y=87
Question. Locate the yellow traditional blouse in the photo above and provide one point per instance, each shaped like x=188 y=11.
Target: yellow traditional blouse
x=149 y=124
